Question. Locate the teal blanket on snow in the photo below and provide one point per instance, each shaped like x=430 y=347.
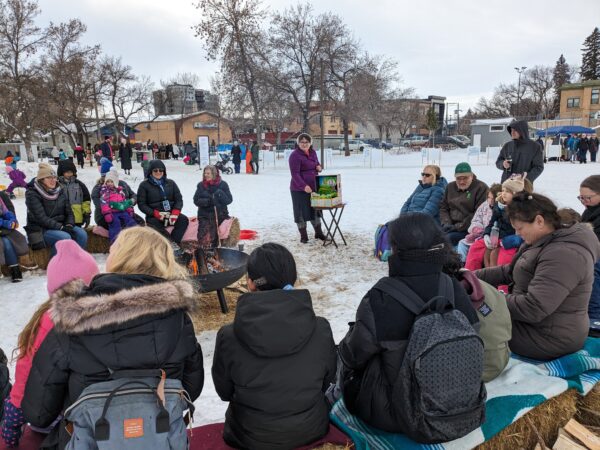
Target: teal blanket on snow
x=523 y=385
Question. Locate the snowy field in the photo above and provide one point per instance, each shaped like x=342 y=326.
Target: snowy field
x=336 y=278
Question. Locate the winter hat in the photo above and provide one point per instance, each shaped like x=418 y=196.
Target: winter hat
x=514 y=185
x=45 y=171
x=105 y=166
x=8 y=169
x=70 y=263
x=463 y=167
x=113 y=176
x=271 y=266
x=303 y=136
x=66 y=165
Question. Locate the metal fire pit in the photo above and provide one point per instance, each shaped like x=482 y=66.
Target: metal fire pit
x=236 y=261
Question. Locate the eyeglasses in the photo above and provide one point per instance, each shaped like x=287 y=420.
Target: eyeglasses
x=426 y=175
x=157 y=170
x=585 y=198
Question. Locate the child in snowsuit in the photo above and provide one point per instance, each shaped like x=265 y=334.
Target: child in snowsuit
x=70 y=263
x=17 y=179
x=116 y=209
x=487 y=253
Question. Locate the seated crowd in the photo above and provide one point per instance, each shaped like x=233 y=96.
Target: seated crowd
x=430 y=323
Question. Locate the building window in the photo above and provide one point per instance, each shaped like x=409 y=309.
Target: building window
x=595 y=97
x=573 y=102
x=497 y=128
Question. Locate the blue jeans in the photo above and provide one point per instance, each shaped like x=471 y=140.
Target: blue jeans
x=10 y=255
x=463 y=249
x=594 y=306
x=51 y=237
x=456 y=236
x=237 y=167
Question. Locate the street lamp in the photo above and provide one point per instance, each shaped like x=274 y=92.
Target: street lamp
x=519 y=71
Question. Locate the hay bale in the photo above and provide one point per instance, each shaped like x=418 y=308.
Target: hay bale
x=40 y=257
x=25 y=262
x=234 y=234
x=588 y=409
x=95 y=243
x=547 y=418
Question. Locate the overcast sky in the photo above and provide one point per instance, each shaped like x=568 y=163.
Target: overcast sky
x=460 y=49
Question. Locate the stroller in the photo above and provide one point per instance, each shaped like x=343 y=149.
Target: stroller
x=222 y=164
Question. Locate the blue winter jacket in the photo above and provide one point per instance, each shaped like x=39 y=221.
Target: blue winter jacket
x=426 y=199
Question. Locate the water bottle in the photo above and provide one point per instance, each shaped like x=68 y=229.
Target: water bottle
x=494 y=235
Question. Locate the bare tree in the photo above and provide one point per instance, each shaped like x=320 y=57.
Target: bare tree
x=21 y=87
x=539 y=85
x=232 y=32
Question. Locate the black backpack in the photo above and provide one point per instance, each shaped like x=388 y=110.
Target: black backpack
x=439 y=394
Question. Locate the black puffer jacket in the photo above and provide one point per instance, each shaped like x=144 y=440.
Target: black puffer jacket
x=150 y=196
x=592 y=215
x=119 y=322
x=373 y=349
x=527 y=156
x=207 y=198
x=273 y=365
x=44 y=213
x=505 y=228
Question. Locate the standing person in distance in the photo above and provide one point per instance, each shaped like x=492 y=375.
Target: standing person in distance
x=125 y=154
x=236 y=153
x=521 y=155
x=255 y=151
x=304 y=167
x=160 y=199
x=80 y=155
x=582 y=148
x=106 y=148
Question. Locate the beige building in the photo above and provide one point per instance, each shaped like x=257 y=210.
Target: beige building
x=178 y=129
x=580 y=103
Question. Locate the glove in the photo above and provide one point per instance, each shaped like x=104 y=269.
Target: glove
x=512 y=241
x=86 y=220
x=128 y=204
x=488 y=241
x=157 y=214
x=108 y=218
x=12 y=425
x=174 y=216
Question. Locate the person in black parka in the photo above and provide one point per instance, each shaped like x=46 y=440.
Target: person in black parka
x=212 y=197
x=373 y=349
x=521 y=154
x=125 y=154
x=133 y=317
x=275 y=361
x=236 y=154
x=160 y=199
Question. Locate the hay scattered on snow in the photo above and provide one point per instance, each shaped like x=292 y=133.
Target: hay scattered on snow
x=588 y=413
x=208 y=316
x=547 y=418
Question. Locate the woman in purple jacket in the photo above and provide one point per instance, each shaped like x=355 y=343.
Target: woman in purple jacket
x=304 y=167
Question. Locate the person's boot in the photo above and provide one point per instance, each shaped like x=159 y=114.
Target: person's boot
x=15 y=273
x=303 y=235
x=319 y=233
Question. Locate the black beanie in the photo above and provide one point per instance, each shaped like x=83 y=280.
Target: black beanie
x=272 y=266
x=66 y=165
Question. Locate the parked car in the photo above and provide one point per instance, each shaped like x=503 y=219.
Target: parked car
x=461 y=141
x=445 y=141
x=355 y=144
x=379 y=144
x=414 y=141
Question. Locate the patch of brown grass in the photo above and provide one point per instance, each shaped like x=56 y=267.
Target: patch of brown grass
x=541 y=422
x=208 y=316
x=588 y=413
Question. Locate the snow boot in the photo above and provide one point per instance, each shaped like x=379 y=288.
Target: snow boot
x=319 y=233
x=15 y=273
x=303 y=235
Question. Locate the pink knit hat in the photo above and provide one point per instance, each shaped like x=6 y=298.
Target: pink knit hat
x=8 y=168
x=69 y=263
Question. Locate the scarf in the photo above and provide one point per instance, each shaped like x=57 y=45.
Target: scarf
x=51 y=194
x=160 y=183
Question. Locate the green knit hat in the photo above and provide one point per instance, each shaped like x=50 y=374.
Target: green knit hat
x=463 y=167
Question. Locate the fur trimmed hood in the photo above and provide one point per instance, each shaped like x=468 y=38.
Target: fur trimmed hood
x=77 y=309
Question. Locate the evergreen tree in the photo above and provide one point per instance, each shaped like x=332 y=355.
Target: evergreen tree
x=562 y=75
x=590 y=61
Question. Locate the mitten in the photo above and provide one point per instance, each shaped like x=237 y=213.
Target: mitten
x=174 y=216
x=512 y=241
x=157 y=214
x=488 y=241
x=477 y=231
x=12 y=424
x=108 y=218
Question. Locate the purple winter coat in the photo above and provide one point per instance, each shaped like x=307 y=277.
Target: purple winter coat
x=17 y=176
x=303 y=168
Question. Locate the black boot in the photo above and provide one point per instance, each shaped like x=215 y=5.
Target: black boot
x=303 y=235
x=319 y=233
x=15 y=273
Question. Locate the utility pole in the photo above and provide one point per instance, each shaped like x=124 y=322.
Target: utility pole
x=322 y=122
x=519 y=71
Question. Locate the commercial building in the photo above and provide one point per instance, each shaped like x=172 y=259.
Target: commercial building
x=580 y=104
x=183 y=99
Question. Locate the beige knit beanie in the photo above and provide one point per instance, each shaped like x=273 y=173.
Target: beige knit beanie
x=45 y=171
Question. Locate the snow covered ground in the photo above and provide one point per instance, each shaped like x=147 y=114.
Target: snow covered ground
x=337 y=278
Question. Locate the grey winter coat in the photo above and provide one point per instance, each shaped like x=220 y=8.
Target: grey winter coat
x=550 y=283
x=527 y=156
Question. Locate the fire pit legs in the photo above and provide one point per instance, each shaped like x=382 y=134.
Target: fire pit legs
x=222 y=301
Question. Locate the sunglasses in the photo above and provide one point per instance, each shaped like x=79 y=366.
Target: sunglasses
x=157 y=170
x=585 y=198
x=426 y=175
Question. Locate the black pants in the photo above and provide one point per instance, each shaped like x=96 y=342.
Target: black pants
x=178 y=229
x=80 y=159
x=254 y=165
